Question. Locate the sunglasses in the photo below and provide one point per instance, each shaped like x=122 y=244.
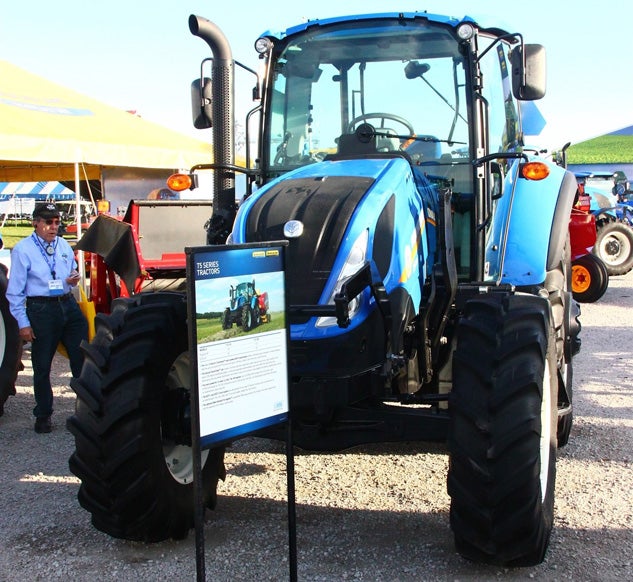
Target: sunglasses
x=50 y=221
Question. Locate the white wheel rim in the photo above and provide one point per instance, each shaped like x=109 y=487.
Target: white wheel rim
x=179 y=458
x=623 y=249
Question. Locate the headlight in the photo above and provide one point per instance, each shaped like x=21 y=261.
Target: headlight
x=354 y=262
x=263 y=45
x=465 y=31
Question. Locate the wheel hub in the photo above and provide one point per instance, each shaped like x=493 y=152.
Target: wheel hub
x=613 y=247
x=581 y=279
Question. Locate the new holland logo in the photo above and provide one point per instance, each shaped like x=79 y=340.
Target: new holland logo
x=293 y=229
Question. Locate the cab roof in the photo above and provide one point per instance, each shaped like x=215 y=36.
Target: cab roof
x=440 y=19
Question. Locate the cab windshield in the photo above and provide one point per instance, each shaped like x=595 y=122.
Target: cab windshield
x=408 y=84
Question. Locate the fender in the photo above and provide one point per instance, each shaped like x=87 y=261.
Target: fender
x=605 y=213
x=538 y=215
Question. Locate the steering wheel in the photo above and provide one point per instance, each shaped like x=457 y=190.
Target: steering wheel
x=382 y=117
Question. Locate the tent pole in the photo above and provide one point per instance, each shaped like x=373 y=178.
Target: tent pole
x=80 y=254
x=77 y=200
x=92 y=198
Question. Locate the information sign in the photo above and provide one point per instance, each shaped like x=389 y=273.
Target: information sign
x=238 y=336
x=239 y=314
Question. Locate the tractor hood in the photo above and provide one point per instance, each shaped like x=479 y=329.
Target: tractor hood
x=333 y=204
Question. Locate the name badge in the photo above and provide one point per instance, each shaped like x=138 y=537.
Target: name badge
x=55 y=287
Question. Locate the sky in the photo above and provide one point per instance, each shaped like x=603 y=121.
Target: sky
x=139 y=54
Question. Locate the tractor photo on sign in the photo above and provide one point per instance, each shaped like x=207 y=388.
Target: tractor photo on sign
x=247 y=308
x=250 y=311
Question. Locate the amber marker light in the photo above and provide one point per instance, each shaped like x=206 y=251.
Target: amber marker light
x=103 y=206
x=535 y=170
x=179 y=182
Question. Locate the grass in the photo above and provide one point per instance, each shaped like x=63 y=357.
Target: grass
x=607 y=149
x=14 y=231
x=211 y=329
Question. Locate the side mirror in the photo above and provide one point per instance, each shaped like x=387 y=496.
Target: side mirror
x=528 y=72
x=202 y=104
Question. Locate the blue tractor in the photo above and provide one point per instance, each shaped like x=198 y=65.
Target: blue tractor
x=243 y=309
x=428 y=299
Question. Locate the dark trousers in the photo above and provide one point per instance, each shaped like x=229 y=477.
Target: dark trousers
x=54 y=322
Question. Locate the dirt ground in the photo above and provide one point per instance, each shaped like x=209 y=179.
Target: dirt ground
x=375 y=513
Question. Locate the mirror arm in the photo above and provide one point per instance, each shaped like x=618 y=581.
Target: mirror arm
x=498 y=39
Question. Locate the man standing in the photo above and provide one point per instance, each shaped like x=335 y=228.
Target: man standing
x=43 y=271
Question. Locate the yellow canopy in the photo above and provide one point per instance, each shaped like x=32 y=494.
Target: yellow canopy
x=45 y=129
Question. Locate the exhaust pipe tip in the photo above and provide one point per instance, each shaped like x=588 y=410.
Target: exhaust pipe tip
x=194 y=25
x=212 y=35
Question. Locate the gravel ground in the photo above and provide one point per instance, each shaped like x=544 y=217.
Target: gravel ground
x=376 y=513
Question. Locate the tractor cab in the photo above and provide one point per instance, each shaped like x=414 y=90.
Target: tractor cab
x=240 y=295
x=407 y=86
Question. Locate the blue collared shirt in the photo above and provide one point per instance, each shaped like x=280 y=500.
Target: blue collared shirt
x=31 y=271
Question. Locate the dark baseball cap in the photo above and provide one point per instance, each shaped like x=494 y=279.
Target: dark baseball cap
x=45 y=210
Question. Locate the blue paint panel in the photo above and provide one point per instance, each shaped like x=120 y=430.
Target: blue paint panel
x=235 y=432
x=529 y=205
x=217 y=264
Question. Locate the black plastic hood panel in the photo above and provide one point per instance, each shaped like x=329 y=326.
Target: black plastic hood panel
x=325 y=206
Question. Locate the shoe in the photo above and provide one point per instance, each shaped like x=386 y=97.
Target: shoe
x=43 y=424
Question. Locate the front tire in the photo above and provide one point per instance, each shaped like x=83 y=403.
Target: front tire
x=502 y=438
x=131 y=449
x=247 y=318
x=565 y=317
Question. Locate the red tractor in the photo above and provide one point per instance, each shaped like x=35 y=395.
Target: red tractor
x=589 y=276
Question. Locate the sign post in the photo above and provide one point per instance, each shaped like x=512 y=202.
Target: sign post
x=239 y=357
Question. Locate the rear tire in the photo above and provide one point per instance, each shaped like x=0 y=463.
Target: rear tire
x=502 y=438
x=226 y=319
x=614 y=245
x=136 y=471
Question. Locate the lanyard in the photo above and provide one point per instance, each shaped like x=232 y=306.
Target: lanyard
x=48 y=252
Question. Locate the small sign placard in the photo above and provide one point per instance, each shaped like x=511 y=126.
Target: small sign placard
x=238 y=319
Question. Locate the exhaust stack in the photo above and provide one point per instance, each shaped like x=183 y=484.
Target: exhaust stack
x=222 y=72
